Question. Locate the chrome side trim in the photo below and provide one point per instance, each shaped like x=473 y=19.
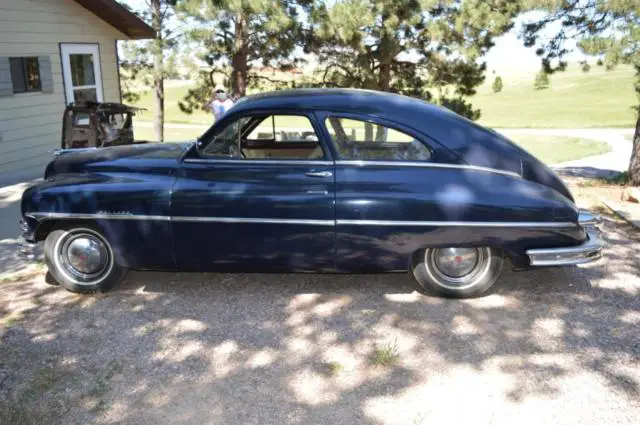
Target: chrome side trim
x=107 y=216
x=97 y=216
x=427 y=165
x=257 y=161
x=549 y=224
x=253 y=220
x=589 y=251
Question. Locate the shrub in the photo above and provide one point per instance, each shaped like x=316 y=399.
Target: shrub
x=542 y=81
x=497 y=84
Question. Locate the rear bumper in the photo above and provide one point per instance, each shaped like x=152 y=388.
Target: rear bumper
x=590 y=250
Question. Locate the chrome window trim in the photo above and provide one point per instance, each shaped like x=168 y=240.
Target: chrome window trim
x=357 y=163
x=311 y=222
x=360 y=163
x=542 y=224
x=258 y=161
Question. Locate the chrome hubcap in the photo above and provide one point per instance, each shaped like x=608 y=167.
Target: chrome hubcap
x=457 y=268
x=84 y=256
x=456 y=262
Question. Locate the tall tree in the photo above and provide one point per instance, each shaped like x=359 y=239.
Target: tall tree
x=238 y=34
x=150 y=55
x=607 y=28
x=430 y=49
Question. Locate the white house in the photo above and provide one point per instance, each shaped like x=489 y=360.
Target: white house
x=54 y=52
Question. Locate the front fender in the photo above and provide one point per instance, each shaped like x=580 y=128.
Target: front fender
x=131 y=209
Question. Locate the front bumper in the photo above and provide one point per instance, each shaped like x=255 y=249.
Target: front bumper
x=590 y=250
x=27 y=240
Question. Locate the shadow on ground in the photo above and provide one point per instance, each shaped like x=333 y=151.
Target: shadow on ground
x=307 y=349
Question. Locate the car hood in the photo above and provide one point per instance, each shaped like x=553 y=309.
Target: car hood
x=118 y=157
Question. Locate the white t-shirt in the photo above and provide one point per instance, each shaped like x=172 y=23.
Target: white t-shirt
x=219 y=108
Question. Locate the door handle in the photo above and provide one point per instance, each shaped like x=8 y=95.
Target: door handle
x=319 y=174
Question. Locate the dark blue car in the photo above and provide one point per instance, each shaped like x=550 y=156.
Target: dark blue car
x=343 y=181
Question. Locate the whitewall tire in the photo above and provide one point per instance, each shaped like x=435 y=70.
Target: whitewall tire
x=82 y=260
x=457 y=272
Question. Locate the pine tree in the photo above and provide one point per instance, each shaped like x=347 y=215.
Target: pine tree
x=541 y=81
x=237 y=34
x=428 y=49
x=150 y=55
x=609 y=29
x=497 y=84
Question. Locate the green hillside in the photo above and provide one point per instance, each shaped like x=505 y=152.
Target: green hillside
x=575 y=99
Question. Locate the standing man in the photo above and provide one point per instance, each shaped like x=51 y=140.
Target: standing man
x=220 y=103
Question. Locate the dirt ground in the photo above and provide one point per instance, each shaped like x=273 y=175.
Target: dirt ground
x=557 y=346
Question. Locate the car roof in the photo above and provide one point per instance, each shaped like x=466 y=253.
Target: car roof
x=380 y=104
x=469 y=141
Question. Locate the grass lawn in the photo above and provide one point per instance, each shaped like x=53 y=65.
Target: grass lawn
x=550 y=149
x=170 y=134
x=172 y=95
x=575 y=99
x=557 y=149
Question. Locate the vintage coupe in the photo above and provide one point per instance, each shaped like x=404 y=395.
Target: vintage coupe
x=311 y=181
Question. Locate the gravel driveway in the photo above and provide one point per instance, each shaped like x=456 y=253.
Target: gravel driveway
x=557 y=346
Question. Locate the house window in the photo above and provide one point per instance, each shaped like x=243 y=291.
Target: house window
x=25 y=74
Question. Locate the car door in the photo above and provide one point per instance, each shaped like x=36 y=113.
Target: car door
x=257 y=196
x=381 y=190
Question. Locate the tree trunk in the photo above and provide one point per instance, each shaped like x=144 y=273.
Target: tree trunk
x=158 y=77
x=634 y=164
x=239 y=58
x=384 y=73
x=385 y=52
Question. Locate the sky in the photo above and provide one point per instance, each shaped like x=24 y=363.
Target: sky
x=507 y=56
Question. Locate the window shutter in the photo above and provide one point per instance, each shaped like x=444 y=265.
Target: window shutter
x=6 y=88
x=46 y=77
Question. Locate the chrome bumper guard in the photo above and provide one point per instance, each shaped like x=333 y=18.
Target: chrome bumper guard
x=590 y=250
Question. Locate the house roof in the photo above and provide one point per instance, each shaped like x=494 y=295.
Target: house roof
x=119 y=17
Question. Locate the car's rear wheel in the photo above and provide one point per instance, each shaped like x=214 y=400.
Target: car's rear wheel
x=458 y=272
x=81 y=259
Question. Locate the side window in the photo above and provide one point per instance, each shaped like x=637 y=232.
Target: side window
x=277 y=137
x=366 y=141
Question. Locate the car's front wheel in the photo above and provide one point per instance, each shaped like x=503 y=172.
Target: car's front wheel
x=81 y=259
x=458 y=272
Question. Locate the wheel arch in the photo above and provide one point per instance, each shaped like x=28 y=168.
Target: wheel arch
x=45 y=227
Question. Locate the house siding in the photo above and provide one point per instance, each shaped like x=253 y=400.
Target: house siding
x=30 y=123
